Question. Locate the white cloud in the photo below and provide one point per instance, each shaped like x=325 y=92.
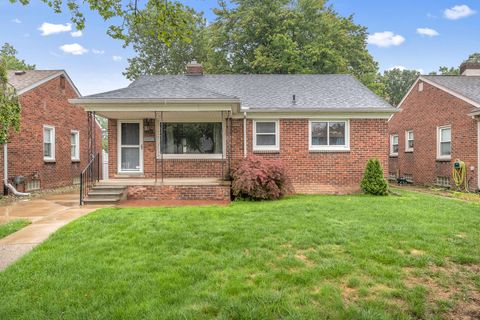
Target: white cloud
x=116 y=58
x=96 y=51
x=458 y=12
x=16 y=20
x=74 y=48
x=50 y=28
x=385 y=39
x=76 y=34
x=427 y=32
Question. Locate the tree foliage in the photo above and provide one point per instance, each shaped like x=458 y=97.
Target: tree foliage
x=154 y=56
x=167 y=25
x=9 y=55
x=9 y=105
x=373 y=181
x=262 y=36
x=396 y=83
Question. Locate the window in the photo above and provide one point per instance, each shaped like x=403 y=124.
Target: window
x=392 y=176
x=266 y=136
x=394 y=144
x=204 y=138
x=409 y=141
x=444 y=142
x=49 y=143
x=32 y=185
x=329 y=135
x=75 y=145
x=443 y=182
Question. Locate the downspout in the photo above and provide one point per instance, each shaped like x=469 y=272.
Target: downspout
x=244 y=134
x=5 y=175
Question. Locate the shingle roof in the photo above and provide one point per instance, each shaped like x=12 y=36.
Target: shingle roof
x=467 y=86
x=257 y=91
x=27 y=78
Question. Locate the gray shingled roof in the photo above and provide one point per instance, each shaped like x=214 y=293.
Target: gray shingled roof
x=467 y=86
x=30 y=77
x=256 y=91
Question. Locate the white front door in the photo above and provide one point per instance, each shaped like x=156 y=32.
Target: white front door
x=130 y=146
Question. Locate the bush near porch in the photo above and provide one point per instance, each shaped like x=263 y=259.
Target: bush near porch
x=308 y=257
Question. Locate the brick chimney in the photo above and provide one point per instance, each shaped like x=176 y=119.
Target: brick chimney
x=194 y=69
x=470 y=68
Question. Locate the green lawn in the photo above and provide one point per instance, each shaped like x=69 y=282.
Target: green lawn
x=305 y=257
x=12 y=226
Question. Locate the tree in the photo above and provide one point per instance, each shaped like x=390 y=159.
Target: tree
x=154 y=56
x=9 y=55
x=287 y=36
x=169 y=23
x=446 y=71
x=9 y=105
x=396 y=83
x=262 y=36
x=373 y=181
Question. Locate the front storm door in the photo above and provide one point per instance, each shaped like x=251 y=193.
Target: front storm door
x=130 y=146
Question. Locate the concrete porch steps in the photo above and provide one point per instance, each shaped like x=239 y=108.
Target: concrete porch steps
x=106 y=194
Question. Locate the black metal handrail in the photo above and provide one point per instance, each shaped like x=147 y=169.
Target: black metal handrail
x=89 y=176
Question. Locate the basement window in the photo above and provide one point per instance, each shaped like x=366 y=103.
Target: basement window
x=76 y=180
x=408 y=177
x=443 y=182
x=48 y=143
x=392 y=176
x=32 y=185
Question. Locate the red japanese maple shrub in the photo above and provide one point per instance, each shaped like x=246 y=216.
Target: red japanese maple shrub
x=256 y=178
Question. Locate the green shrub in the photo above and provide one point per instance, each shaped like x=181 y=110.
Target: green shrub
x=373 y=181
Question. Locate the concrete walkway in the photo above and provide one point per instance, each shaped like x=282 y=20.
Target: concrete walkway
x=47 y=216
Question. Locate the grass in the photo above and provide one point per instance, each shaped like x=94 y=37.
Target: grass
x=12 y=226
x=305 y=257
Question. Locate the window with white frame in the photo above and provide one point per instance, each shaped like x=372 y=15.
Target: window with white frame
x=394 y=144
x=48 y=143
x=409 y=141
x=329 y=135
x=444 y=142
x=266 y=135
x=75 y=145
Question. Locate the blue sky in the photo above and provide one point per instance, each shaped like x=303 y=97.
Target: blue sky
x=416 y=34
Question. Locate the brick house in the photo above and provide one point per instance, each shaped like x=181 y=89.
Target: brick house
x=178 y=136
x=52 y=146
x=438 y=122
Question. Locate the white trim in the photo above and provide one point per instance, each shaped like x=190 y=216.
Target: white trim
x=439 y=156
x=44 y=80
x=193 y=156
x=75 y=157
x=119 y=147
x=275 y=147
x=407 y=148
x=392 y=153
x=52 y=143
x=327 y=148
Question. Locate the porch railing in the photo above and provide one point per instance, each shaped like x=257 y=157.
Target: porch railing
x=89 y=176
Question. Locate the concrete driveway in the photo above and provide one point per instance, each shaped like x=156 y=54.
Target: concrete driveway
x=47 y=215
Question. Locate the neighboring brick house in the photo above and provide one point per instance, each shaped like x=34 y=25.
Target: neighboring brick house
x=323 y=127
x=438 y=122
x=51 y=148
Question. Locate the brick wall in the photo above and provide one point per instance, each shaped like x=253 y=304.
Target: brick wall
x=220 y=192
x=48 y=104
x=423 y=112
x=310 y=172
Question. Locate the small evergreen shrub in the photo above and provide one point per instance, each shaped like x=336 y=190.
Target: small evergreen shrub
x=256 y=178
x=373 y=181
